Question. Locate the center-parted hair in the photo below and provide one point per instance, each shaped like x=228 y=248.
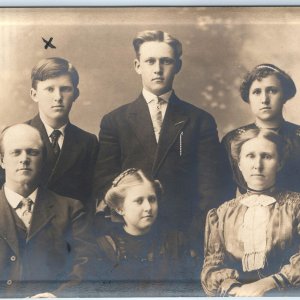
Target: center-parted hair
x=53 y=67
x=281 y=143
x=262 y=71
x=115 y=196
x=157 y=36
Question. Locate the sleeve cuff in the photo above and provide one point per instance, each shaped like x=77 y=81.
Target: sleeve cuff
x=281 y=281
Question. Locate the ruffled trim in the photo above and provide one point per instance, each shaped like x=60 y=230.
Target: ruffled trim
x=253 y=261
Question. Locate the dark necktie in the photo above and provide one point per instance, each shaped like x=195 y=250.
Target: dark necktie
x=54 y=141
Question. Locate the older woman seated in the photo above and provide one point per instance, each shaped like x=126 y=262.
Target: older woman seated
x=252 y=242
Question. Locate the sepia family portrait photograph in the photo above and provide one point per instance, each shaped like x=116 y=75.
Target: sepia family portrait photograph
x=149 y=152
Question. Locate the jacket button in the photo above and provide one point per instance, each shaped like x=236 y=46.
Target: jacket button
x=9 y=282
x=13 y=258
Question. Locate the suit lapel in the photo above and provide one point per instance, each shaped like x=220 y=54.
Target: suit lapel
x=174 y=121
x=42 y=212
x=68 y=153
x=7 y=225
x=49 y=166
x=54 y=169
x=140 y=121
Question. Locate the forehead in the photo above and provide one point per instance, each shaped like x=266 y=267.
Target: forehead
x=62 y=80
x=140 y=189
x=259 y=145
x=156 y=49
x=270 y=80
x=22 y=138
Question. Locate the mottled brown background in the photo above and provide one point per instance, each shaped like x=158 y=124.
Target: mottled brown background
x=219 y=45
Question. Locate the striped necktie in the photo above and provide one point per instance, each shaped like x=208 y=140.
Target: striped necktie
x=54 y=136
x=157 y=118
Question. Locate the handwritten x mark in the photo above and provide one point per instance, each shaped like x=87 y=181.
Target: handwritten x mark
x=48 y=43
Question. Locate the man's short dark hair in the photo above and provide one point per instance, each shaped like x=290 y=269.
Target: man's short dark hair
x=53 y=67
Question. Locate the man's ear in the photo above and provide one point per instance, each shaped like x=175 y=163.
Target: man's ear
x=76 y=94
x=1 y=162
x=178 y=65
x=33 y=95
x=137 y=66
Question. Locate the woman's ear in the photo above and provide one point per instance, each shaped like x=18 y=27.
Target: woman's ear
x=239 y=165
x=280 y=165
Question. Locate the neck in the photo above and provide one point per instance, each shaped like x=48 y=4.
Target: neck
x=269 y=124
x=136 y=232
x=158 y=93
x=263 y=191
x=55 y=124
x=23 y=189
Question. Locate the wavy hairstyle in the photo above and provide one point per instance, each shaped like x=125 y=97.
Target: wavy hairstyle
x=262 y=71
x=115 y=196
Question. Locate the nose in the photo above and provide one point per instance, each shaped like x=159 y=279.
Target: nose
x=147 y=205
x=24 y=158
x=158 y=67
x=57 y=95
x=265 y=98
x=258 y=164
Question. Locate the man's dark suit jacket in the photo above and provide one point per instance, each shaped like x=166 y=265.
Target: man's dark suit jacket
x=72 y=174
x=188 y=159
x=59 y=247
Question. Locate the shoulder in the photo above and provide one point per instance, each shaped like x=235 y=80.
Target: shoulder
x=217 y=216
x=84 y=137
x=288 y=198
x=191 y=109
x=225 y=207
x=236 y=132
x=121 y=110
x=60 y=203
x=35 y=122
x=291 y=129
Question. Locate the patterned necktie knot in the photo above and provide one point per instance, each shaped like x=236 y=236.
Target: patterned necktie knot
x=25 y=210
x=27 y=204
x=54 y=136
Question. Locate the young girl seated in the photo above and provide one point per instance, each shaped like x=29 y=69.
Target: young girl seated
x=138 y=248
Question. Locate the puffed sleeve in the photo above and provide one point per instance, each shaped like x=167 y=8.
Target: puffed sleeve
x=290 y=273
x=216 y=279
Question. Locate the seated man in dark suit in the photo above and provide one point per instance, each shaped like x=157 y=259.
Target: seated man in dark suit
x=71 y=152
x=46 y=247
x=166 y=137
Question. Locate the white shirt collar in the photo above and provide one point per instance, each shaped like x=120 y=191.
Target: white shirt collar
x=14 y=198
x=49 y=129
x=150 y=97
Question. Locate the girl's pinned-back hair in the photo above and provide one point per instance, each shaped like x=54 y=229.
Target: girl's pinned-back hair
x=262 y=71
x=115 y=196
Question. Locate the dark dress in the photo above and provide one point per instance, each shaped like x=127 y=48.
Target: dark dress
x=156 y=256
x=289 y=177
